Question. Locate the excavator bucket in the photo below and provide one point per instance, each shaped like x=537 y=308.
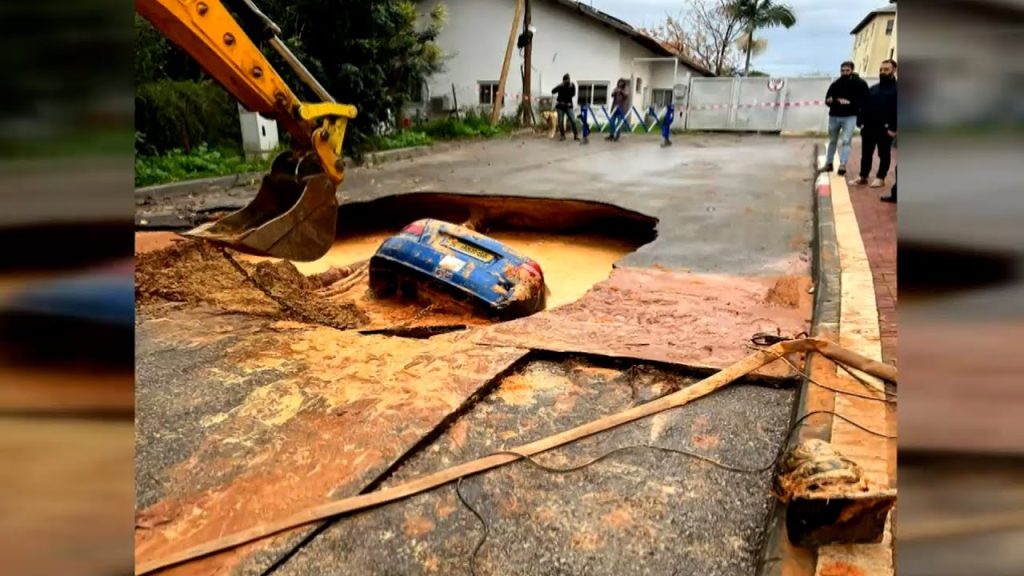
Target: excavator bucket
x=292 y=217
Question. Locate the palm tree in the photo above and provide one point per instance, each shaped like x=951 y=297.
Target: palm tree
x=761 y=14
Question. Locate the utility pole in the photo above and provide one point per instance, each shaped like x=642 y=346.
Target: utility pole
x=527 y=63
x=499 y=97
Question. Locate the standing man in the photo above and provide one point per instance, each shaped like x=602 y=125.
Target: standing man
x=877 y=122
x=844 y=99
x=564 y=93
x=620 y=103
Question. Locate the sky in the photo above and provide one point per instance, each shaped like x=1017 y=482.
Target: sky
x=818 y=42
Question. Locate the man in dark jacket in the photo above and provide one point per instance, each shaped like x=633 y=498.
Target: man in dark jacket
x=564 y=94
x=877 y=122
x=844 y=98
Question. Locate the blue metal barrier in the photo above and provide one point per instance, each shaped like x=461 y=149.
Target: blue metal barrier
x=666 y=126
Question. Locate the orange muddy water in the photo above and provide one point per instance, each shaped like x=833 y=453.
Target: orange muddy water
x=571 y=264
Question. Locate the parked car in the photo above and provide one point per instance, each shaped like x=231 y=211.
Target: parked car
x=462 y=264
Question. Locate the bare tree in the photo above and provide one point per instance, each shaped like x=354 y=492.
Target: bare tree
x=706 y=32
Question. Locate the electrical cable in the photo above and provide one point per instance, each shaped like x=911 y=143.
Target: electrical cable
x=553 y=470
x=811 y=379
x=763 y=339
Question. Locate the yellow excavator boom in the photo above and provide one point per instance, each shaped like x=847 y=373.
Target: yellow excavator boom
x=295 y=212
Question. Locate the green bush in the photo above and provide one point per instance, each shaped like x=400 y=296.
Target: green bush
x=202 y=162
x=182 y=114
x=404 y=139
x=469 y=125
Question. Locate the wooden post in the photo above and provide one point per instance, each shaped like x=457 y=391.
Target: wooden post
x=455 y=101
x=499 y=97
x=527 y=76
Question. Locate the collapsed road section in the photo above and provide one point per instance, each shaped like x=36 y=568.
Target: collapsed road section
x=250 y=414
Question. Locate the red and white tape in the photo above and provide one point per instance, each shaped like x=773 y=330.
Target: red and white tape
x=520 y=96
x=761 y=105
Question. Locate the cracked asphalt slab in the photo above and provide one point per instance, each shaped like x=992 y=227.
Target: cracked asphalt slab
x=727 y=204
x=639 y=511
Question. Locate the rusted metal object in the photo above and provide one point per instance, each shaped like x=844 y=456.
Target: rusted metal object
x=293 y=216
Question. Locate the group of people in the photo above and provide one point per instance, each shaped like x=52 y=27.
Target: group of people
x=566 y=92
x=852 y=104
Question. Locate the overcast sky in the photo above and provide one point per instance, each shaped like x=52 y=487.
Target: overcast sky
x=818 y=43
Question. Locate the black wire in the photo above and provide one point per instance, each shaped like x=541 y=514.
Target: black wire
x=483 y=537
x=861 y=379
x=533 y=461
x=890 y=397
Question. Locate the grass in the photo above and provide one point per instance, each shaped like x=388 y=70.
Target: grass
x=403 y=139
x=202 y=162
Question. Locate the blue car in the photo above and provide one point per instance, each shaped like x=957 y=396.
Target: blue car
x=441 y=257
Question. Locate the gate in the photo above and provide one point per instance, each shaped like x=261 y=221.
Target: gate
x=760 y=104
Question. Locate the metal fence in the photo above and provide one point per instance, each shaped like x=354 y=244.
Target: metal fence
x=759 y=104
x=740 y=104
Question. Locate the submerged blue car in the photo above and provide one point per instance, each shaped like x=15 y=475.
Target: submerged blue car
x=441 y=257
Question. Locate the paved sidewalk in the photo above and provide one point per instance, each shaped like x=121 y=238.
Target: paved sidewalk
x=877 y=221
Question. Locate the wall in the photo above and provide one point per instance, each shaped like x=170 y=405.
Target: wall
x=477 y=33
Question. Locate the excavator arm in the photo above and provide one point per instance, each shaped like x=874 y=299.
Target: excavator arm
x=294 y=214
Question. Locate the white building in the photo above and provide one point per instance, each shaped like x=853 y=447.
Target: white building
x=594 y=48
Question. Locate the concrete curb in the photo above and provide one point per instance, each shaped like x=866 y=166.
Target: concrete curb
x=199 y=185
x=385 y=156
x=827 y=274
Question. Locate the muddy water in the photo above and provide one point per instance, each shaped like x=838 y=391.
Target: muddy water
x=571 y=264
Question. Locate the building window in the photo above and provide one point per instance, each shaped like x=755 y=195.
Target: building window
x=888 y=26
x=661 y=98
x=488 y=90
x=592 y=93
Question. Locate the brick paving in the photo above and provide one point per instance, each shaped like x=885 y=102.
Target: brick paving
x=877 y=221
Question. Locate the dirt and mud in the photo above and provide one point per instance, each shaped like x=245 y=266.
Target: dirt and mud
x=172 y=269
x=197 y=273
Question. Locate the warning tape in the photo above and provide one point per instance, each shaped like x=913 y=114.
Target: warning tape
x=798 y=104
x=761 y=105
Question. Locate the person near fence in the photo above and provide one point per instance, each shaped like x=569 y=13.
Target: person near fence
x=877 y=122
x=843 y=98
x=564 y=93
x=620 y=104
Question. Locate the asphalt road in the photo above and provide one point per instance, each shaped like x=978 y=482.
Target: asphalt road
x=737 y=205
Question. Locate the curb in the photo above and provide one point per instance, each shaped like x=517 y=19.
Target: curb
x=777 y=552
x=385 y=156
x=187 y=187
